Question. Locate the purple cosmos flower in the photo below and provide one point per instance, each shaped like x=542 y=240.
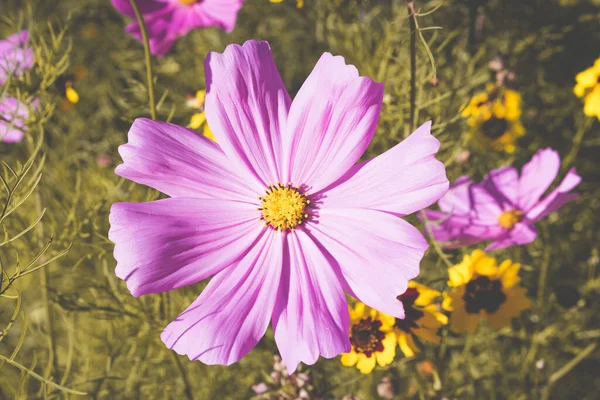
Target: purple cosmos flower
x=15 y=56
x=167 y=20
x=278 y=211
x=13 y=118
x=504 y=207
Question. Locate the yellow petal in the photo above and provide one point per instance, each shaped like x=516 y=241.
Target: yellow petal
x=426 y=294
x=509 y=273
x=72 y=95
x=197 y=120
x=592 y=103
x=426 y=334
x=461 y=273
x=388 y=354
x=349 y=359
x=587 y=78
x=516 y=302
x=365 y=364
x=484 y=265
x=407 y=345
x=387 y=321
x=208 y=133
x=461 y=321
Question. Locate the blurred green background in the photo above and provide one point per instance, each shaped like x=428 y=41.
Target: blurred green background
x=79 y=327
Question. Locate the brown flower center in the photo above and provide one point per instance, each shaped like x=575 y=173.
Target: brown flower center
x=366 y=336
x=411 y=314
x=188 y=2
x=483 y=293
x=494 y=127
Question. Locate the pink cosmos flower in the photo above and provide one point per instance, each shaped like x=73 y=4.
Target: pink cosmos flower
x=278 y=211
x=15 y=56
x=167 y=20
x=504 y=207
x=13 y=117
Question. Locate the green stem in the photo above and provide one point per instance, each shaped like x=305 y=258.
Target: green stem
x=40 y=378
x=576 y=144
x=140 y=19
x=186 y=384
x=413 y=62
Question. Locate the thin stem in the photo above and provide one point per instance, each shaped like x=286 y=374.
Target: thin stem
x=40 y=378
x=413 y=62
x=140 y=19
x=576 y=144
x=186 y=383
x=45 y=284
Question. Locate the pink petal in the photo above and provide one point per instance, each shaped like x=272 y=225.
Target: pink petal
x=181 y=163
x=331 y=122
x=163 y=29
x=522 y=233
x=232 y=313
x=311 y=312
x=145 y=6
x=221 y=13
x=170 y=243
x=377 y=252
x=246 y=107
x=536 y=176
x=557 y=198
x=13 y=117
x=486 y=208
x=15 y=56
x=457 y=199
x=453 y=231
x=402 y=180
x=503 y=183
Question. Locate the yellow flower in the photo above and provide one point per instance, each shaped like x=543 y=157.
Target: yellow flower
x=198 y=120
x=422 y=318
x=299 y=3
x=588 y=86
x=494 y=119
x=372 y=337
x=484 y=290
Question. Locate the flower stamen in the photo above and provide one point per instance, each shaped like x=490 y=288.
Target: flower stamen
x=509 y=219
x=366 y=336
x=284 y=206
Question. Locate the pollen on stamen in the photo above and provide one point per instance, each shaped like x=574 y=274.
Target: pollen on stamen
x=283 y=207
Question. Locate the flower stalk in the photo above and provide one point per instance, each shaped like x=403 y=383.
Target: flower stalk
x=148 y=59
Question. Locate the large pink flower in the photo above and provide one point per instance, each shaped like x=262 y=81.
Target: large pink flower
x=504 y=207
x=168 y=20
x=15 y=55
x=284 y=252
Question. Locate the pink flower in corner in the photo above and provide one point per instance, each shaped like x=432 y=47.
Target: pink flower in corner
x=281 y=252
x=15 y=56
x=13 y=118
x=167 y=20
x=504 y=207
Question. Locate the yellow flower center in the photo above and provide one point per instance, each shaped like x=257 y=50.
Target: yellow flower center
x=509 y=219
x=188 y=2
x=283 y=207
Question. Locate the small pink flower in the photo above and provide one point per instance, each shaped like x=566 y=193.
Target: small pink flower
x=286 y=252
x=15 y=56
x=504 y=207
x=167 y=20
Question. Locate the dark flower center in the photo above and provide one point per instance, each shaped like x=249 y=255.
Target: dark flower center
x=483 y=293
x=366 y=336
x=411 y=314
x=494 y=127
